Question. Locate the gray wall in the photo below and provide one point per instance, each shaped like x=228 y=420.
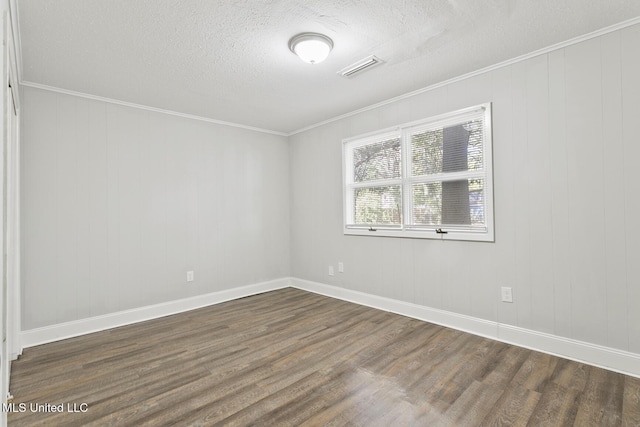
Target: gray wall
x=567 y=200
x=118 y=203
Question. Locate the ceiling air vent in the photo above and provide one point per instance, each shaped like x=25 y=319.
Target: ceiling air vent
x=366 y=63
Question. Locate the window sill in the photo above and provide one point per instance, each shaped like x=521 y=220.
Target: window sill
x=421 y=234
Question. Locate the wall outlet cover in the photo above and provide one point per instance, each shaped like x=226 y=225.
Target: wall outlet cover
x=507 y=294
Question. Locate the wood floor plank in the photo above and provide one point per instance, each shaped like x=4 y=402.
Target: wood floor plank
x=571 y=375
x=601 y=401
x=536 y=371
x=293 y=358
x=557 y=406
x=631 y=402
x=506 y=363
x=472 y=405
x=513 y=408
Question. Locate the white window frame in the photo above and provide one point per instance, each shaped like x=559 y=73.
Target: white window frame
x=404 y=132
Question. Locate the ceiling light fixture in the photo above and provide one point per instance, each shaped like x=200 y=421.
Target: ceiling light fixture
x=312 y=48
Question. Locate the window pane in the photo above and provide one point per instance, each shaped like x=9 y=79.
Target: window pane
x=448 y=149
x=378 y=205
x=380 y=160
x=427 y=203
x=449 y=203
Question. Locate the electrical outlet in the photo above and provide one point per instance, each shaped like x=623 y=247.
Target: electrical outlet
x=190 y=276
x=507 y=294
x=331 y=270
x=340 y=267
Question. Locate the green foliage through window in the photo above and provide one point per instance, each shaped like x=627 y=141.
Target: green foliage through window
x=380 y=160
x=378 y=205
x=445 y=185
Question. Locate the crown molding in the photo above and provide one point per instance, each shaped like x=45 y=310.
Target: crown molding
x=543 y=51
x=147 y=108
x=15 y=30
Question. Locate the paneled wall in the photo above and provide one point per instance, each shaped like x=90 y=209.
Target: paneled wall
x=567 y=200
x=119 y=203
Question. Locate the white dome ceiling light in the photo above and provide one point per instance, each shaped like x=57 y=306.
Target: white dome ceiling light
x=312 y=48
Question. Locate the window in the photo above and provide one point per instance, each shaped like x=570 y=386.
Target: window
x=426 y=179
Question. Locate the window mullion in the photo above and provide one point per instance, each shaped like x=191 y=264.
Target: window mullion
x=378 y=183
x=448 y=176
x=407 y=200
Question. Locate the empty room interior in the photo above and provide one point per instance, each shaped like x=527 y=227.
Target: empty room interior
x=403 y=212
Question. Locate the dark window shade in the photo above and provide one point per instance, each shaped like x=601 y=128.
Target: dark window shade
x=448 y=149
x=453 y=203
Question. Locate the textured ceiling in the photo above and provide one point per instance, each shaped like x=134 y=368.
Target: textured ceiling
x=229 y=60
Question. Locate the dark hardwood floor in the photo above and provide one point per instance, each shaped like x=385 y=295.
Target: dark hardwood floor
x=290 y=358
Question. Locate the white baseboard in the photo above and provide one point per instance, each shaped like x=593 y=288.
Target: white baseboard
x=76 y=328
x=604 y=357
x=592 y=354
